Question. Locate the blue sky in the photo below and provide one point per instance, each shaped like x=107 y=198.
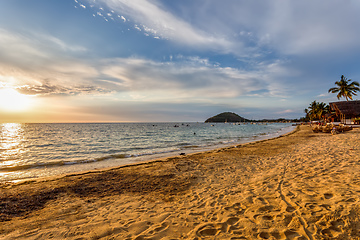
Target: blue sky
x=137 y=60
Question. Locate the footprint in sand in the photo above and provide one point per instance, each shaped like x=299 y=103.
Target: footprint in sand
x=334 y=230
x=267 y=217
x=269 y=235
x=292 y=234
x=290 y=209
x=264 y=235
x=261 y=200
x=326 y=206
x=328 y=195
x=159 y=228
x=232 y=221
x=208 y=231
x=350 y=200
x=213 y=229
x=276 y=235
x=236 y=208
x=267 y=208
x=264 y=217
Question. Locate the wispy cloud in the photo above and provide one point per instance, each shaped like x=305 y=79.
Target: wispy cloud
x=215 y=52
x=181 y=77
x=44 y=65
x=184 y=78
x=48 y=89
x=248 y=27
x=155 y=20
x=193 y=78
x=303 y=27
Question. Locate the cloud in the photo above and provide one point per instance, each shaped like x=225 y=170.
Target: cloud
x=55 y=43
x=29 y=58
x=48 y=89
x=195 y=78
x=44 y=65
x=192 y=77
x=249 y=28
x=52 y=79
x=286 y=111
x=154 y=19
x=14 y=46
x=223 y=53
x=22 y=45
x=57 y=72
x=308 y=27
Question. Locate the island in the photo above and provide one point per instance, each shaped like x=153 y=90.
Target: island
x=226 y=117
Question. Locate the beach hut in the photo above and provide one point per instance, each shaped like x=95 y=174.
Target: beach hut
x=330 y=117
x=346 y=111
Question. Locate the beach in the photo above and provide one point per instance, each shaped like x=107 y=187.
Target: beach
x=303 y=185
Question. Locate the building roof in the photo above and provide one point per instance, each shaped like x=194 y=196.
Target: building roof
x=348 y=108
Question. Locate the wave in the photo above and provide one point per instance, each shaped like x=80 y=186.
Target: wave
x=59 y=163
x=185 y=145
x=190 y=146
x=131 y=143
x=84 y=161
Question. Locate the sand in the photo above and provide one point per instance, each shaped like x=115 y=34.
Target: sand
x=301 y=186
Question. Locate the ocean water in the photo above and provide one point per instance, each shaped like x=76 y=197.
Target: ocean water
x=39 y=150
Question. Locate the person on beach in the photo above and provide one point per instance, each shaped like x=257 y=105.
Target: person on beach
x=333 y=131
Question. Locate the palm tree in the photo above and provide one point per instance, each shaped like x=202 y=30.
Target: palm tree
x=316 y=110
x=345 y=88
x=312 y=110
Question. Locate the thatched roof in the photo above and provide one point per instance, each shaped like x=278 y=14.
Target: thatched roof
x=348 y=108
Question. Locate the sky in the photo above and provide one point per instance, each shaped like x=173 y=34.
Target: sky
x=178 y=60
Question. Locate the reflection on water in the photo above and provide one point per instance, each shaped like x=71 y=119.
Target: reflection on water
x=12 y=135
x=35 y=150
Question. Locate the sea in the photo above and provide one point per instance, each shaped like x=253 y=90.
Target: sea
x=36 y=150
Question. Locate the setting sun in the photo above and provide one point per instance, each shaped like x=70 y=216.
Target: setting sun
x=13 y=101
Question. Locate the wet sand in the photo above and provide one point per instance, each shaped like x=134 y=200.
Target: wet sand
x=301 y=186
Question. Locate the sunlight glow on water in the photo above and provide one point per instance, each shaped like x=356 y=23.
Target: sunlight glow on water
x=10 y=139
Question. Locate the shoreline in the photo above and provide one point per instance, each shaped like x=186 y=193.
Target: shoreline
x=303 y=185
x=163 y=159
x=115 y=163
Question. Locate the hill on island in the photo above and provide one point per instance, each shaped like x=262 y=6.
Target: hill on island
x=227 y=117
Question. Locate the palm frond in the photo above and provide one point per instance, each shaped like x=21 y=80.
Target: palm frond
x=345 y=88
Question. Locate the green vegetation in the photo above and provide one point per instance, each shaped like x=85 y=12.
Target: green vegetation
x=234 y=118
x=316 y=110
x=345 y=88
x=357 y=120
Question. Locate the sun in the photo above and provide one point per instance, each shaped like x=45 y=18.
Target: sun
x=13 y=101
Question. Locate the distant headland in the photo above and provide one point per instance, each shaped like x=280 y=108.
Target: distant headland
x=226 y=117
x=235 y=118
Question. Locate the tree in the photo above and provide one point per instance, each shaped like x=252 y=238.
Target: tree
x=316 y=110
x=345 y=88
